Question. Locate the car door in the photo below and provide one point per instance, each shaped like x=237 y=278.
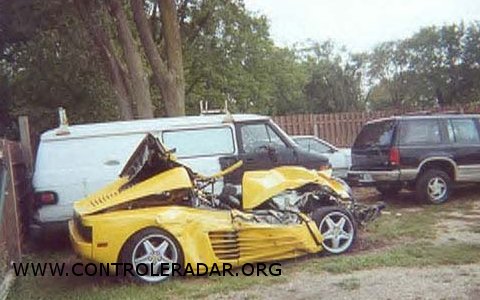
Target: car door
x=465 y=138
x=262 y=148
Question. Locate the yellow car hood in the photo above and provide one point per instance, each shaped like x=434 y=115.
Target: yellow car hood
x=259 y=186
x=115 y=194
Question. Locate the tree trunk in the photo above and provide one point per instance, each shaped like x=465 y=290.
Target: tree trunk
x=140 y=89
x=173 y=43
x=168 y=76
x=120 y=89
x=105 y=48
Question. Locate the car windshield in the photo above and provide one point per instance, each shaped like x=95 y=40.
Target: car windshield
x=375 y=134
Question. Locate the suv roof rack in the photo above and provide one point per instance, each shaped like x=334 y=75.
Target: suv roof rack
x=417 y=113
x=432 y=113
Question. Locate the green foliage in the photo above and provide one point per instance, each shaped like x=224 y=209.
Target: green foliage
x=47 y=62
x=436 y=66
x=228 y=54
x=334 y=83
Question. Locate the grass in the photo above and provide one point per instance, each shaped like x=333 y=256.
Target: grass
x=107 y=288
x=418 y=254
x=349 y=284
x=475 y=228
x=3 y=260
x=395 y=241
x=417 y=225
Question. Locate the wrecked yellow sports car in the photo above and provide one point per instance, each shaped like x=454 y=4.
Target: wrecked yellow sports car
x=160 y=212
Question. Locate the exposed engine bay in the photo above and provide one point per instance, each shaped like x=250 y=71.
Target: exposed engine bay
x=304 y=200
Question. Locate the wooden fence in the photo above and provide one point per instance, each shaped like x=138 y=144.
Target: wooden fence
x=341 y=129
x=14 y=199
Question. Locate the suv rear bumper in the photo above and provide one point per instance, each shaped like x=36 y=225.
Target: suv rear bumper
x=368 y=178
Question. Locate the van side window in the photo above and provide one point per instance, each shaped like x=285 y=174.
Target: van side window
x=420 y=132
x=199 y=142
x=463 y=131
x=255 y=136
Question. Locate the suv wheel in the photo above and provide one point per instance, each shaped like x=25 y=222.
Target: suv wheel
x=389 y=189
x=433 y=186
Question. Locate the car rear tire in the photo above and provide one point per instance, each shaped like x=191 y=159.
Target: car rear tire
x=389 y=189
x=433 y=186
x=151 y=247
x=338 y=228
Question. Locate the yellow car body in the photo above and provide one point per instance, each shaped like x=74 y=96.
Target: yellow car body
x=154 y=193
x=201 y=233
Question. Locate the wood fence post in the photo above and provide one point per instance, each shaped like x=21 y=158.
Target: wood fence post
x=25 y=141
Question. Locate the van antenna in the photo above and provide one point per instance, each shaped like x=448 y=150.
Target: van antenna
x=63 y=122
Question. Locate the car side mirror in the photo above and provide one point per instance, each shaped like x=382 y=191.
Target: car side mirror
x=331 y=150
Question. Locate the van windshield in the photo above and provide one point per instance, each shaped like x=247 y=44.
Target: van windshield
x=375 y=134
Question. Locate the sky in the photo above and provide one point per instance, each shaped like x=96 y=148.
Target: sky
x=358 y=24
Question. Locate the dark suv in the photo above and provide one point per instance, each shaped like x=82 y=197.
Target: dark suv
x=425 y=153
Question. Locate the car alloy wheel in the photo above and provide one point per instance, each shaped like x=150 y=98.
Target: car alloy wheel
x=338 y=232
x=153 y=250
x=433 y=186
x=436 y=188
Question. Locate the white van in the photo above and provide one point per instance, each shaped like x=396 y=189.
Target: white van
x=74 y=163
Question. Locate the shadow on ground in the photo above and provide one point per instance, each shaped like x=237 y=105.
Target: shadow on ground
x=406 y=198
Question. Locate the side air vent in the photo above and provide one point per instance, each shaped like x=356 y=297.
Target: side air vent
x=225 y=244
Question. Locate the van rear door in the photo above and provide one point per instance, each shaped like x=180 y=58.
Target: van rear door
x=371 y=150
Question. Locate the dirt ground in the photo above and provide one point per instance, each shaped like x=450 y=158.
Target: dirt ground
x=445 y=282
x=433 y=282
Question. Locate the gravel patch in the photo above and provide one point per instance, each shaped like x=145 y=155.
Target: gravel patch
x=445 y=282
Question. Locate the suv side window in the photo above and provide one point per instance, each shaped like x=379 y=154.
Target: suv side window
x=257 y=135
x=420 y=132
x=463 y=131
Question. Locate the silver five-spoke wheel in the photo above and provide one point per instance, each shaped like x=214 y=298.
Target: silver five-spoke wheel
x=153 y=254
x=337 y=228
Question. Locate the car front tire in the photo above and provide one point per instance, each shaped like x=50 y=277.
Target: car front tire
x=338 y=228
x=433 y=186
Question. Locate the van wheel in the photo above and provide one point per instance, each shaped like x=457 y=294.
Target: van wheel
x=147 y=251
x=389 y=189
x=433 y=186
x=337 y=227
